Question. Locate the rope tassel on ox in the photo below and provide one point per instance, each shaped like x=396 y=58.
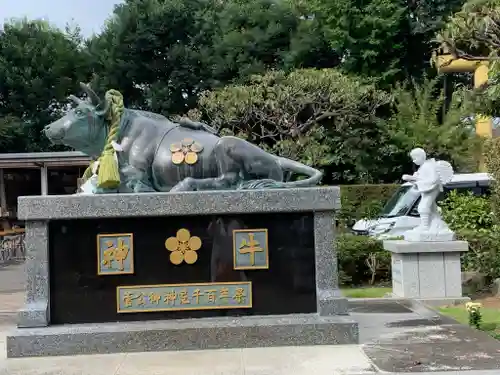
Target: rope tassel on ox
x=108 y=170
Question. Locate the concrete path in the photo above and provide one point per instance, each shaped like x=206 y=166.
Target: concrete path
x=348 y=360
x=396 y=338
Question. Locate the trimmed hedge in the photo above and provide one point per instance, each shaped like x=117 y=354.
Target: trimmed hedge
x=362 y=201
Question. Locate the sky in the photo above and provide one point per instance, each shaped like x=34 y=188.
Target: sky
x=88 y=14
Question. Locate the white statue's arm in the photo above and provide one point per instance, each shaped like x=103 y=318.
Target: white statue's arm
x=409 y=178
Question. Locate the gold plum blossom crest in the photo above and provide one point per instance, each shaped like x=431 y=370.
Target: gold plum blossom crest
x=183 y=247
x=185 y=151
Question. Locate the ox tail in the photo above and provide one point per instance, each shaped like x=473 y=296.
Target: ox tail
x=314 y=175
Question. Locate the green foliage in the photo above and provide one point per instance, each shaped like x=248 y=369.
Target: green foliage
x=344 y=126
x=387 y=40
x=418 y=121
x=492 y=161
x=145 y=51
x=467 y=212
x=162 y=54
x=363 y=201
x=474 y=33
x=471 y=217
x=474 y=29
x=484 y=253
x=39 y=67
x=11 y=131
x=321 y=117
x=361 y=258
x=475 y=318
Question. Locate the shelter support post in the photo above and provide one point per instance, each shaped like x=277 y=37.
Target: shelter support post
x=3 y=199
x=44 y=180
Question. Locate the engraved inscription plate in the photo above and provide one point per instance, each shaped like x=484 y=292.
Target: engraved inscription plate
x=177 y=297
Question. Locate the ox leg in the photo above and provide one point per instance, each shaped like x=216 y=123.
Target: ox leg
x=223 y=182
x=135 y=180
x=138 y=170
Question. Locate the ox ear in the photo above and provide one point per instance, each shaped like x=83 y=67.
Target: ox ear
x=103 y=108
x=94 y=98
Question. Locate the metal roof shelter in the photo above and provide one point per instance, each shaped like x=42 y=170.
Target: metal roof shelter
x=39 y=160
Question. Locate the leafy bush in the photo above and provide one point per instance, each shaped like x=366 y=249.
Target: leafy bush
x=322 y=117
x=484 y=252
x=472 y=219
x=492 y=160
x=362 y=259
x=362 y=201
x=467 y=212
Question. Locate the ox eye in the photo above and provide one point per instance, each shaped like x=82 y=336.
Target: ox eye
x=78 y=112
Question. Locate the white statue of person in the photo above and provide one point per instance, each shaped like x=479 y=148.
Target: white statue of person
x=428 y=181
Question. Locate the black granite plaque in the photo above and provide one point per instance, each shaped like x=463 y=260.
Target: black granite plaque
x=79 y=295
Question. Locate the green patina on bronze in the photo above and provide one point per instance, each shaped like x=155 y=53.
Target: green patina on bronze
x=145 y=161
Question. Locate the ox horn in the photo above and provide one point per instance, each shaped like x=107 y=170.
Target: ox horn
x=75 y=99
x=94 y=98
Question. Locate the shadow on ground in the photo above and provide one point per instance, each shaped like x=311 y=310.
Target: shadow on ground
x=405 y=337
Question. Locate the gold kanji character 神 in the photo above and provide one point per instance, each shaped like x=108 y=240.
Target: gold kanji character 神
x=154 y=298
x=170 y=296
x=251 y=247
x=211 y=295
x=239 y=295
x=184 y=297
x=196 y=295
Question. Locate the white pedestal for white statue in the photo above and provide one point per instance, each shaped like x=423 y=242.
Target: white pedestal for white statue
x=428 y=271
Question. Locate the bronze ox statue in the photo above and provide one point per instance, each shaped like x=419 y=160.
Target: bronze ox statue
x=156 y=154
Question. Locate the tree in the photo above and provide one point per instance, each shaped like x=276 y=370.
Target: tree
x=163 y=54
x=145 y=51
x=249 y=37
x=419 y=121
x=11 y=134
x=39 y=67
x=388 y=40
x=473 y=33
x=339 y=123
x=321 y=117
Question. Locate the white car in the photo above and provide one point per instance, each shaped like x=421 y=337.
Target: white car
x=400 y=213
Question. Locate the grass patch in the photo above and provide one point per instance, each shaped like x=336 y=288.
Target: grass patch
x=490 y=321
x=366 y=292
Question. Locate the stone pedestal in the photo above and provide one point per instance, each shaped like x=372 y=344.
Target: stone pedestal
x=427 y=271
x=290 y=287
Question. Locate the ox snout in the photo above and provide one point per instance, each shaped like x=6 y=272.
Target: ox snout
x=55 y=132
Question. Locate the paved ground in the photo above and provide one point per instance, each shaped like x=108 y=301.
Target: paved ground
x=395 y=339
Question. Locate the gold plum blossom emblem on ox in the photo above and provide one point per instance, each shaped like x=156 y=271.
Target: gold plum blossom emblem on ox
x=186 y=151
x=183 y=247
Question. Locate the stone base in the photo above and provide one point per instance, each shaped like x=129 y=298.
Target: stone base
x=411 y=247
x=189 y=334
x=416 y=236
x=426 y=270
